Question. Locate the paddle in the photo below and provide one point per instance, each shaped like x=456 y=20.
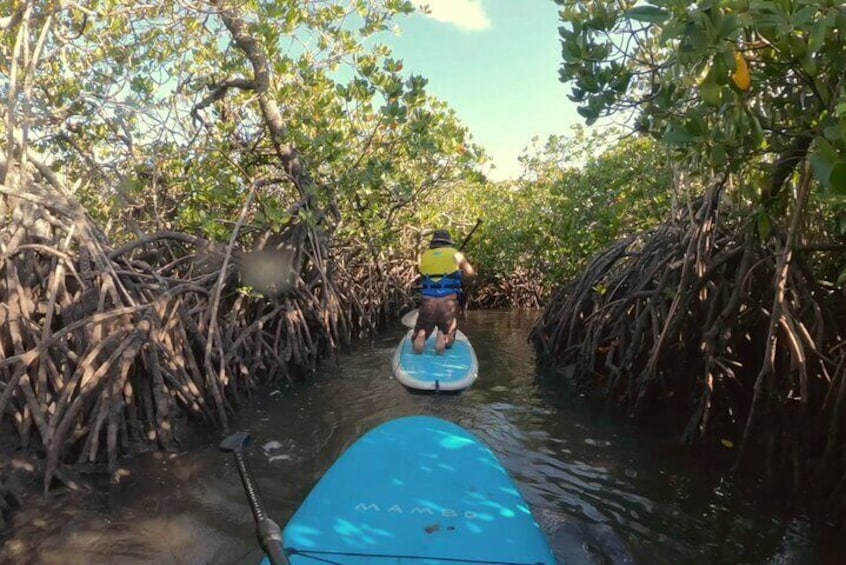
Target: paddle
x=267 y=531
x=409 y=319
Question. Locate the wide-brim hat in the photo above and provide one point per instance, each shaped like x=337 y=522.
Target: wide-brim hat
x=442 y=236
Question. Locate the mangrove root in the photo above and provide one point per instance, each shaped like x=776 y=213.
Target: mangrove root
x=704 y=320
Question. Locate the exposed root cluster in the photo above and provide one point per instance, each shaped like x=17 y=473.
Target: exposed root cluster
x=375 y=289
x=101 y=349
x=734 y=334
x=521 y=289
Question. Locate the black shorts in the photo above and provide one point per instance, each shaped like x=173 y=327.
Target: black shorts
x=437 y=312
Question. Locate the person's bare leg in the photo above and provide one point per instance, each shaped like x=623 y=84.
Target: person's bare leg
x=419 y=341
x=450 y=336
x=440 y=344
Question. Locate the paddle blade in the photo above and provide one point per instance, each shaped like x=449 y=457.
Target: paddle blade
x=410 y=319
x=236 y=442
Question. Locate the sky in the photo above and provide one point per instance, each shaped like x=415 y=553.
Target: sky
x=495 y=62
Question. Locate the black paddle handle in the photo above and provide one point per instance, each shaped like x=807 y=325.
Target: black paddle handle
x=466 y=239
x=268 y=532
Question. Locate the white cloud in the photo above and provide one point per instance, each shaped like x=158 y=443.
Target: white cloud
x=465 y=14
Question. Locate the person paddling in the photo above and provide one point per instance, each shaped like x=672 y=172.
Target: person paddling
x=442 y=268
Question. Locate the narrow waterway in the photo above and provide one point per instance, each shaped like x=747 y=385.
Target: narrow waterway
x=602 y=490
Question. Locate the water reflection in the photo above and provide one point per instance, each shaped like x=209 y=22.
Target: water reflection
x=602 y=491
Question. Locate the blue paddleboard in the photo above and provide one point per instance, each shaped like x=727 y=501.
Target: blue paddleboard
x=416 y=490
x=455 y=369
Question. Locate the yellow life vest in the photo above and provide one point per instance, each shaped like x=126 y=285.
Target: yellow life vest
x=438 y=262
x=440 y=273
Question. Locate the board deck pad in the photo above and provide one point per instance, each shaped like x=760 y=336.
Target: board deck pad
x=455 y=369
x=416 y=490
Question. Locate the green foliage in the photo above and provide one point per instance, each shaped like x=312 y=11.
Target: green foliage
x=150 y=112
x=145 y=110
x=567 y=206
x=623 y=191
x=683 y=67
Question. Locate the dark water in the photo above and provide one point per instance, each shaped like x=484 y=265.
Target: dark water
x=603 y=491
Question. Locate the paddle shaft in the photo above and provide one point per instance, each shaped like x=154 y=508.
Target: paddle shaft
x=467 y=237
x=462 y=297
x=268 y=532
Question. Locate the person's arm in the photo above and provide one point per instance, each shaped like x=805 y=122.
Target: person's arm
x=464 y=264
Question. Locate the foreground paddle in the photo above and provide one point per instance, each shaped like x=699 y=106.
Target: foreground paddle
x=267 y=531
